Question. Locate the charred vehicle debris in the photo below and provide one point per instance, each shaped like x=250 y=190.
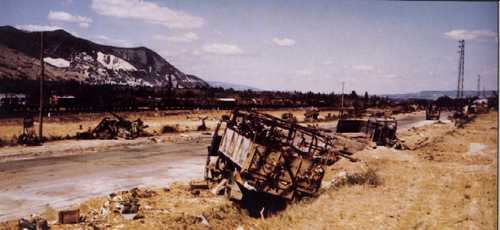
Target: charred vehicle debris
x=112 y=128
x=255 y=158
x=254 y=154
x=378 y=128
x=432 y=112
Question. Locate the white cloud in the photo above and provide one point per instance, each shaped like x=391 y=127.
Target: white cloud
x=62 y=16
x=328 y=62
x=304 y=72
x=390 y=76
x=32 y=27
x=479 y=35
x=222 y=49
x=113 y=42
x=149 y=12
x=364 y=68
x=283 y=41
x=187 y=37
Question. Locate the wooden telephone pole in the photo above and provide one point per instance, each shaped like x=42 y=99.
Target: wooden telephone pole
x=42 y=79
x=478 y=85
x=342 y=101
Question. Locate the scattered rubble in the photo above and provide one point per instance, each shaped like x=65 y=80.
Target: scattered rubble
x=203 y=126
x=380 y=130
x=432 y=112
x=311 y=114
x=69 y=216
x=289 y=117
x=112 y=128
x=34 y=223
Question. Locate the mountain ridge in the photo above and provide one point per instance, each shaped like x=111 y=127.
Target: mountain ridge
x=227 y=85
x=97 y=64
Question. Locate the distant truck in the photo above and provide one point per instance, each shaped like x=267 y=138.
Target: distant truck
x=254 y=153
x=432 y=112
x=379 y=129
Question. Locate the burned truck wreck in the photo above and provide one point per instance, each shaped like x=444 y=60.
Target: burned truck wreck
x=112 y=128
x=258 y=153
x=379 y=129
x=432 y=112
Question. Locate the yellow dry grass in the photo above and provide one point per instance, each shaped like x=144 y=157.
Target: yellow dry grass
x=68 y=125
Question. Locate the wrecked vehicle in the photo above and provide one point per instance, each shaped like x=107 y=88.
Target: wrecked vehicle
x=432 y=112
x=289 y=117
x=112 y=128
x=28 y=137
x=378 y=129
x=311 y=114
x=253 y=153
x=462 y=116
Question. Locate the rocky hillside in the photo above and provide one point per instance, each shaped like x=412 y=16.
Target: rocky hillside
x=72 y=58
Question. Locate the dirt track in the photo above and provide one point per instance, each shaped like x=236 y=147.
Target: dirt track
x=29 y=186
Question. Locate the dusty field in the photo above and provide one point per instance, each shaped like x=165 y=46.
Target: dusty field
x=447 y=182
x=66 y=126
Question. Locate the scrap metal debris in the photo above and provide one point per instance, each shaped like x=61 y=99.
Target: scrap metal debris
x=124 y=204
x=28 y=137
x=289 y=117
x=111 y=128
x=34 y=223
x=432 y=112
x=380 y=130
x=311 y=114
x=69 y=216
x=203 y=126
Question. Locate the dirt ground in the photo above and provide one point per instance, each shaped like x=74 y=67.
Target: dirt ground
x=448 y=181
x=66 y=126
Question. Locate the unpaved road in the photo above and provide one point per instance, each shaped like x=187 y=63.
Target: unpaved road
x=405 y=121
x=31 y=185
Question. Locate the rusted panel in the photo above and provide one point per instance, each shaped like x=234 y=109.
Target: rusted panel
x=69 y=216
x=235 y=146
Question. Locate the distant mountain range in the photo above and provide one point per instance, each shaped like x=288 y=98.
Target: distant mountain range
x=237 y=87
x=433 y=95
x=72 y=58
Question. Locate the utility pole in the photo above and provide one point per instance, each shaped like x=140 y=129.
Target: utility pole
x=42 y=78
x=478 y=85
x=342 y=101
x=460 y=82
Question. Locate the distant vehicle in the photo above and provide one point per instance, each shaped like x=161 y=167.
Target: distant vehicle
x=432 y=112
x=381 y=130
x=112 y=128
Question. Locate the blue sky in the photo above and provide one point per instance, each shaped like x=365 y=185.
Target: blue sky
x=374 y=46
